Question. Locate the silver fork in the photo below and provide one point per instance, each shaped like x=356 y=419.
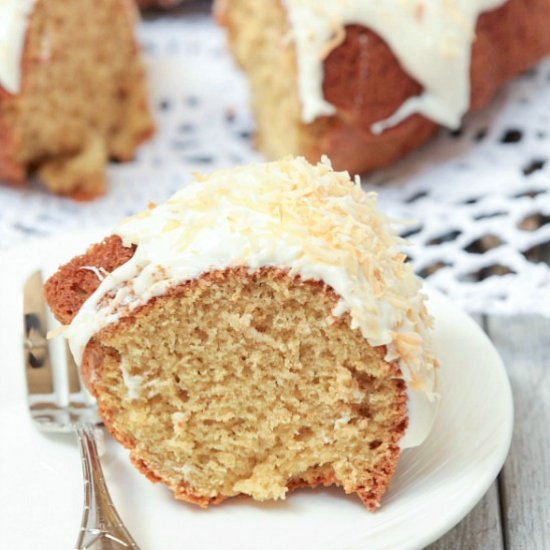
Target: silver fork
x=62 y=405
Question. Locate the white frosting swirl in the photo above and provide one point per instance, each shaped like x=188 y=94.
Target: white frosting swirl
x=14 y=16
x=432 y=39
x=309 y=220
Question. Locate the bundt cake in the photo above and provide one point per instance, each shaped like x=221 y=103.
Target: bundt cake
x=258 y=332
x=72 y=92
x=365 y=82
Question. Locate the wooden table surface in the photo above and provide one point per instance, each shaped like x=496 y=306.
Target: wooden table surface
x=515 y=512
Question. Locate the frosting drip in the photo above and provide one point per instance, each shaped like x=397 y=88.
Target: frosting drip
x=14 y=16
x=309 y=220
x=432 y=39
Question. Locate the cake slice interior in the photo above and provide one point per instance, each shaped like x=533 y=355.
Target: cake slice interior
x=243 y=383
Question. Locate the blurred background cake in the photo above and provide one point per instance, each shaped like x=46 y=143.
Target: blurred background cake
x=366 y=82
x=258 y=332
x=72 y=92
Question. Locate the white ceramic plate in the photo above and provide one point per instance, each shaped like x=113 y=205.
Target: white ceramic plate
x=434 y=487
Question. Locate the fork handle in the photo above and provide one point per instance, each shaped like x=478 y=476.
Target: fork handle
x=101 y=528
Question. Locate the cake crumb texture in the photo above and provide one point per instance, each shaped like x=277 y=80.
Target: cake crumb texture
x=237 y=384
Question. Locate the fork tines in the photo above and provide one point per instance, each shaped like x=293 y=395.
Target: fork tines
x=56 y=396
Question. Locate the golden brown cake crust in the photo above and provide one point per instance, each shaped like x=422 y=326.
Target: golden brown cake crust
x=364 y=81
x=509 y=40
x=71 y=285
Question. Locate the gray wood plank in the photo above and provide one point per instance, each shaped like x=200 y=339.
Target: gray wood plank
x=480 y=529
x=524 y=344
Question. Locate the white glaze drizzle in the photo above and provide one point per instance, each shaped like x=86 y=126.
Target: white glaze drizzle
x=14 y=16
x=309 y=220
x=432 y=39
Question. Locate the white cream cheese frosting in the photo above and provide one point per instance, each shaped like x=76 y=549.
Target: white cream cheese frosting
x=309 y=220
x=14 y=16
x=432 y=39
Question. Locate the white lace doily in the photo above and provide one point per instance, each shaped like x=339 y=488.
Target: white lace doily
x=477 y=202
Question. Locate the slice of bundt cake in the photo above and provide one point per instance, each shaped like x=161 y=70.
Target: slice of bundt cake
x=258 y=332
x=365 y=82
x=72 y=92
